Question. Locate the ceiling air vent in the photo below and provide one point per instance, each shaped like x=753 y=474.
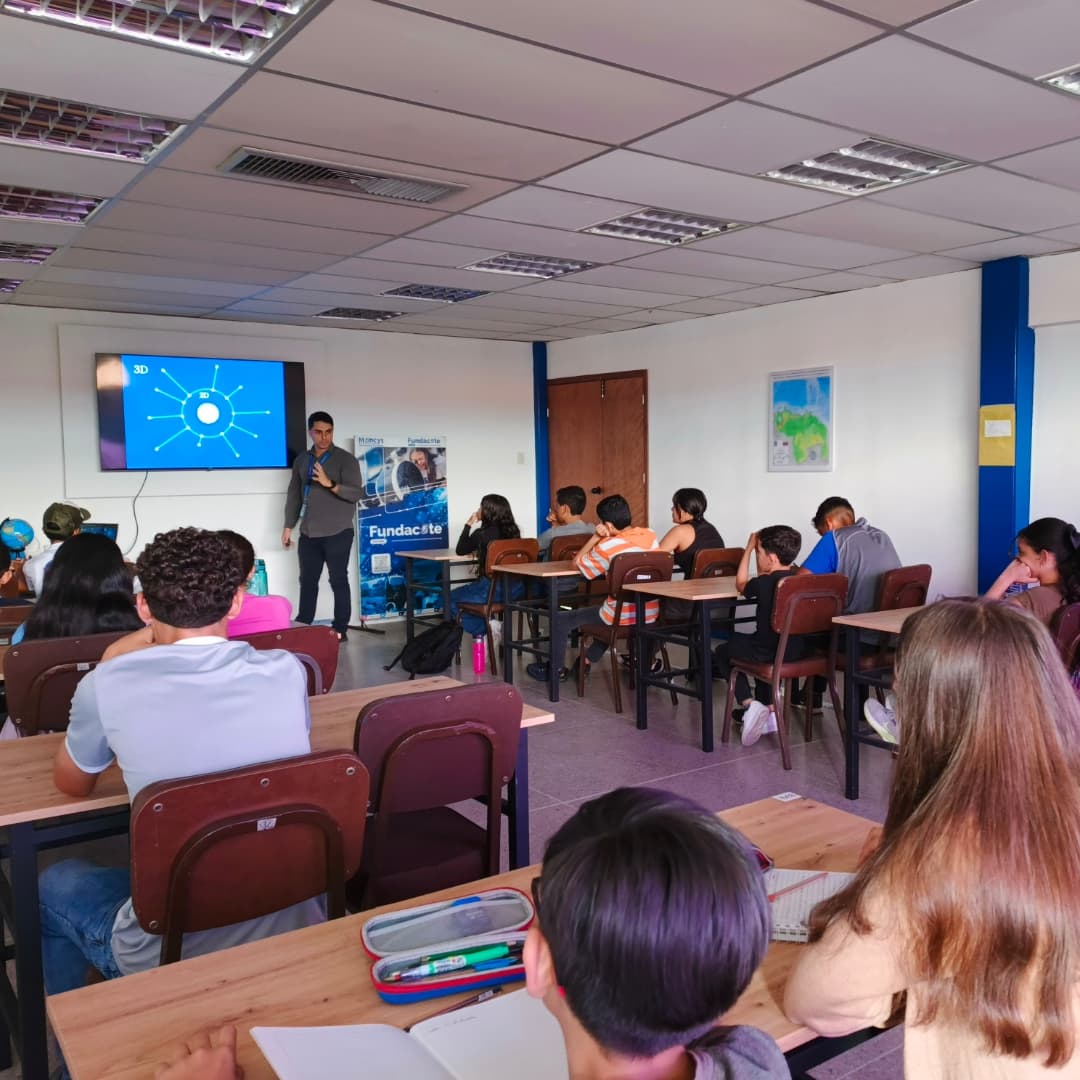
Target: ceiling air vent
x=24 y=253
x=358 y=314
x=46 y=205
x=8 y=285
x=442 y=294
x=325 y=175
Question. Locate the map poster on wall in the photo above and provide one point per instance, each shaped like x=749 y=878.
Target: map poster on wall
x=403 y=508
x=801 y=420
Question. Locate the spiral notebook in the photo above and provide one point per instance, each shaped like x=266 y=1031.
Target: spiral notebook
x=794 y=894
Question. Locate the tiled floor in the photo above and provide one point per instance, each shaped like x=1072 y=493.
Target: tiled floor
x=590 y=749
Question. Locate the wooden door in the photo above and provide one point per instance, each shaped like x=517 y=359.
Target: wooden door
x=598 y=438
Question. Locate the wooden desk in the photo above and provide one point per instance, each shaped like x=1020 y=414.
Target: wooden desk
x=445 y=559
x=706 y=594
x=37 y=816
x=884 y=622
x=549 y=574
x=120 y=1030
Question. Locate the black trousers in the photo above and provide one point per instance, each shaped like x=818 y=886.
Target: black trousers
x=315 y=552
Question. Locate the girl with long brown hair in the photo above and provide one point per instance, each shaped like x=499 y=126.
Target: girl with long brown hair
x=965 y=919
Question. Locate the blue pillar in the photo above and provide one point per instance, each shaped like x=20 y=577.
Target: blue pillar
x=1006 y=377
x=540 y=432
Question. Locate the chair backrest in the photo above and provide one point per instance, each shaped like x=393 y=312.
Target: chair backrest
x=906 y=586
x=438 y=747
x=12 y=616
x=807 y=604
x=209 y=851
x=316 y=647
x=40 y=678
x=508 y=552
x=1065 y=626
x=636 y=568
x=566 y=547
x=716 y=562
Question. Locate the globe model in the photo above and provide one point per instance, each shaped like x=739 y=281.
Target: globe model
x=16 y=534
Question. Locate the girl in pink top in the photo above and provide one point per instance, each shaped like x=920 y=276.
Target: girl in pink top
x=258 y=613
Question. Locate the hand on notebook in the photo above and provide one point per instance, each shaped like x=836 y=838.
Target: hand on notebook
x=210 y=1055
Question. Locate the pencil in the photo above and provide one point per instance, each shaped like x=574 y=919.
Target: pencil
x=797 y=885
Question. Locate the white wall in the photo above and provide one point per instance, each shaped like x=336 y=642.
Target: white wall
x=906 y=359
x=476 y=393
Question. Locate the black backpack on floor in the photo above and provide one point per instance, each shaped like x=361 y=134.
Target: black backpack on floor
x=431 y=652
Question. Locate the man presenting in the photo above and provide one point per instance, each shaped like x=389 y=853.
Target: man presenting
x=323 y=491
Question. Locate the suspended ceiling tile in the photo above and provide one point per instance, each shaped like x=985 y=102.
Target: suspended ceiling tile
x=781 y=245
x=534 y=205
x=840 y=281
x=746 y=138
x=990 y=197
x=100 y=70
x=728 y=45
x=62 y=275
x=64 y=170
x=713 y=306
x=1025 y=246
x=520 y=301
x=731 y=268
x=675 y=185
x=121 y=307
x=533 y=239
x=911 y=93
x=1058 y=164
x=630 y=277
x=1034 y=38
x=1070 y=236
x=654 y=316
x=430 y=253
x=918 y=266
x=308 y=112
x=866 y=222
x=470 y=71
x=251 y=199
x=612 y=324
x=164 y=267
x=417 y=274
x=138 y=296
x=175 y=221
x=772 y=294
x=572 y=290
x=334 y=283
x=359 y=297
x=188 y=247
x=46 y=233
x=451 y=319
x=469 y=312
x=894 y=12
x=206 y=149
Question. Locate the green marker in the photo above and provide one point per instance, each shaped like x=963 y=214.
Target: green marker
x=441 y=963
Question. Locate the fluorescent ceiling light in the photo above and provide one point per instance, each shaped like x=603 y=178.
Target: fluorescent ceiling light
x=541 y=266
x=9 y=285
x=230 y=29
x=653 y=226
x=441 y=293
x=46 y=205
x=360 y=314
x=1067 y=79
x=866 y=166
x=69 y=125
x=31 y=254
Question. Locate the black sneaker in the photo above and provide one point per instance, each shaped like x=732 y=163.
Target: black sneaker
x=798 y=696
x=539 y=671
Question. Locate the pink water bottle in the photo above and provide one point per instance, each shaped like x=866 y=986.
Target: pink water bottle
x=479 y=656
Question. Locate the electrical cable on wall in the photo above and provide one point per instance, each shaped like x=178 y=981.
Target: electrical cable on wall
x=134 y=512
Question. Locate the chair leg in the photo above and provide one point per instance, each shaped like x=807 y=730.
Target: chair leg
x=616 y=685
x=729 y=704
x=808 y=716
x=667 y=672
x=838 y=708
x=580 y=666
x=781 y=726
x=493 y=660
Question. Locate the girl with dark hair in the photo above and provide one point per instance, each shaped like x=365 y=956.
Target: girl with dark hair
x=87 y=590
x=259 y=614
x=965 y=914
x=496 y=521
x=690 y=532
x=1048 y=558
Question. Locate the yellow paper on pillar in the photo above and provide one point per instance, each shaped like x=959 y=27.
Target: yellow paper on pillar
x=997 y=435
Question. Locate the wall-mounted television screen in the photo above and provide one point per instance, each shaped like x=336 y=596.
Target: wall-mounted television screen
x=198 y=412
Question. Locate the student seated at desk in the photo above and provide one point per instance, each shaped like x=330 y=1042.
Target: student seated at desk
x=775 y=549
x=1047 y=558
x=651 y=918
x=258 y=614
x=564 y=518
x=191 y=704
x=7 y=572
x=965 y=918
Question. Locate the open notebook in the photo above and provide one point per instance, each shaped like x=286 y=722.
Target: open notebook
x=791 y=909
x=511 y=1035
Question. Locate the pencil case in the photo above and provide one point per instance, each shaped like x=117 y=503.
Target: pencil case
x=477 y=924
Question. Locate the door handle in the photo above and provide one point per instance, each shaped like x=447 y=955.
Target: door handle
x=596 y=490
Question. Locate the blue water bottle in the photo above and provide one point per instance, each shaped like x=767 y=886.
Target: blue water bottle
x=257 y=586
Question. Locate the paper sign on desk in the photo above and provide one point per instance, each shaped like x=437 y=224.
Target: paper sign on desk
x=510 y=1035
x=794 y=901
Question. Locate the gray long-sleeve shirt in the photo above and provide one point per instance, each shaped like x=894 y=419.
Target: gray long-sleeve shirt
x=327 y=513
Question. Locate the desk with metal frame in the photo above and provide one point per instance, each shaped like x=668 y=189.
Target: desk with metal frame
x=884 y=622
x=445 y=559
x=37 y=817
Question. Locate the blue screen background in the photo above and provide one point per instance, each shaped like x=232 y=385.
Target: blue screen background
x=185 y=412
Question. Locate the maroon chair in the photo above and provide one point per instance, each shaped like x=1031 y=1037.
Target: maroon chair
x=804 y=604
x=316 y=647
x=906 y=586
x=40 y=678
x=1065 y=626
x=629 y=568
x=424 y=752
x=12 y=616
x=564 y=548
x=716 y=562
x=210 y=851
x=499 y=553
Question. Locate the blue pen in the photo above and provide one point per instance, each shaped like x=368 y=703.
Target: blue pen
x=495 y=965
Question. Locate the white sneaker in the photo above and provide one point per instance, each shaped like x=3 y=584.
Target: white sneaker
x=758 y=720
x=882 y=719
x=496 y=632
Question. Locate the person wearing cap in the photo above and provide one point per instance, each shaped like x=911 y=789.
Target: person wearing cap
x=60 y=522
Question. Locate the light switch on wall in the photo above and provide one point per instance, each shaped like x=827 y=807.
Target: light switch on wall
x=521 y=457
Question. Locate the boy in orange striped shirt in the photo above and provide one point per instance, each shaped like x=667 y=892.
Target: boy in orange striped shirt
x=614 y=535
